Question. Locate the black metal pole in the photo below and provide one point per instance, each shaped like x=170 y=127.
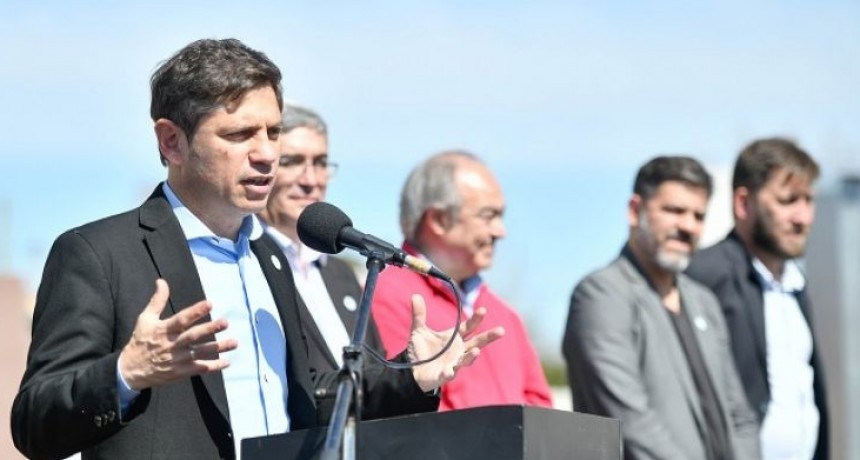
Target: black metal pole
x=348 y=404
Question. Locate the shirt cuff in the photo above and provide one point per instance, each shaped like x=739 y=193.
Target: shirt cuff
x=127 y=395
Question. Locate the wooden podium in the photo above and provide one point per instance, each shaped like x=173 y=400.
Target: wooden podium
x=497 y=433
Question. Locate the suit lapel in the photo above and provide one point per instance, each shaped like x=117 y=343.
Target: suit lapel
x=749 y=287
x=754 y=299
x=339 y=293
x=169 y=250
x=692 y=301
x=803 y=303
x=312 y=332
x=676 y=355
x=346 y=296
x=300 y=401
x=665 y=333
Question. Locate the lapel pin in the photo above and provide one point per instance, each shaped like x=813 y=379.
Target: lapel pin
x=349 y=303
x=276 y=262
x=700 y=323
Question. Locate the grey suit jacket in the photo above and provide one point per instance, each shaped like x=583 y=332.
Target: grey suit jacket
x=97 y=280
x=625 y=361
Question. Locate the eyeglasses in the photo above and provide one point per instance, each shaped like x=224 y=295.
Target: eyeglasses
x=296 y=165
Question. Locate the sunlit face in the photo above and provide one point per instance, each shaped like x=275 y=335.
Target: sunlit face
x=667 y=226
x=228 y=169
x=471 y=236
x=301 y=179
x=782 y=213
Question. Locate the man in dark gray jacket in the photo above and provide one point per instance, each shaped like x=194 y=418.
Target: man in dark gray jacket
x=217 y=352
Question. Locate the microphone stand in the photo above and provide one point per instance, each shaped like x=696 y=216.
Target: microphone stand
x=343 y=426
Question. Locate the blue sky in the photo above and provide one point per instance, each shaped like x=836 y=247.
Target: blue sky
x=564 y=100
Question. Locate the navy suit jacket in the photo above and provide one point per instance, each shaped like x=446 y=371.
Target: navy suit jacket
x=97 y=280
x=727 y=269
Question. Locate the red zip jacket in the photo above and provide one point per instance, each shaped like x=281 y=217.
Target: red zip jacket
x=508 y=370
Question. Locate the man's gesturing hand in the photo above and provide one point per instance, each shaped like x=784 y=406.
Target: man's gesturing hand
x=425 y=342
x=162 y=351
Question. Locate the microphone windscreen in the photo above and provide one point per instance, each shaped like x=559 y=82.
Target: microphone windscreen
x=319 y=227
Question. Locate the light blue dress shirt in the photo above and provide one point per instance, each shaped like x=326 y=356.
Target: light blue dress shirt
x=256 y=380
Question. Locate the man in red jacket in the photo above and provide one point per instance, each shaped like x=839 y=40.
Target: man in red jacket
x=451 y=210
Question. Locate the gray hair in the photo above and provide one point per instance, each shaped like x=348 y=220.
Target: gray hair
x=295 y=116
x=431 y=185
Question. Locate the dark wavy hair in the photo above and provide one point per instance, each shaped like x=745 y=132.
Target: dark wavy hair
x=205 y=75
x=661 y=169
x=760 y=159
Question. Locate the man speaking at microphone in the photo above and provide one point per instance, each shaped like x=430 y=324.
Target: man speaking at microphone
x=451 y=210
x=171 y=330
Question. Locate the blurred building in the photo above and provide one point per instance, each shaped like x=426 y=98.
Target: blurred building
x=719 y=219
x=15 y=307
x=833 y=269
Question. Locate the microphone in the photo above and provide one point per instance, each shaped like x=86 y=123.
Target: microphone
x=325 y=228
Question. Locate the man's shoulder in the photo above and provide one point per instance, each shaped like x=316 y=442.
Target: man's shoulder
x=396 y=280
x=724 y=259
x=104 y=231
x=125 y=223
x=394 y=274
x=110 y=224
x=616 y=284
x=728 y=249
x=107 y=238
x=497 y=301
x=611 y=274
x=123 y=228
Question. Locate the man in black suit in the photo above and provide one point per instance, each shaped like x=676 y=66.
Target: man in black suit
x=329 y=292
x=763 y=296
x=117 y=371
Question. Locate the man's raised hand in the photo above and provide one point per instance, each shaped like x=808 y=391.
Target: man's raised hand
x=425 y=342
x=162 y=351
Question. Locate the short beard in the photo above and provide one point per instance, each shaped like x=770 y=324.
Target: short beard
x=663 y=259
x=764 y=239
x=670 y=263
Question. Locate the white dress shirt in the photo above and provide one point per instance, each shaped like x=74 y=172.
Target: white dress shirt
x=790 y=427
x=303 y=263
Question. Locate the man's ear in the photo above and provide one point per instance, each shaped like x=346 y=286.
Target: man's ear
x=634 y=209
x=172 y=142
x=438 y=221
x=741 y=203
